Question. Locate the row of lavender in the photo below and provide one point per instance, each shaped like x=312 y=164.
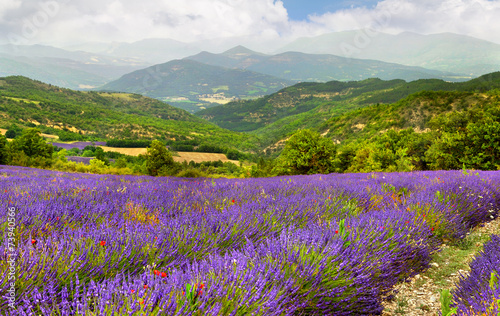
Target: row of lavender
x=479 y=293
x=303 y=245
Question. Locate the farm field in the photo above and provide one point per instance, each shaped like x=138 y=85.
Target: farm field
x=334 y=244
x=182 y=156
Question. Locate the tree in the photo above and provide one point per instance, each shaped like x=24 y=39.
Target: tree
x=306 y=152
x=3 y=150
x=482 y=149
x=10 y=133
x=158 y=159
x=32 y=146
x=99 y=155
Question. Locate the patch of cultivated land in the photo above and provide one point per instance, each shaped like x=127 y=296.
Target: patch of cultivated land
x=200 y=157
x=182 y=156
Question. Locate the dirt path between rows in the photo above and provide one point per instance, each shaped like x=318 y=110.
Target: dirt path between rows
x=421 y=295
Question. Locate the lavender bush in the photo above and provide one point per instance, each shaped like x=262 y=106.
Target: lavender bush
x=479 y=293
x=79 y=145
x=302 y=245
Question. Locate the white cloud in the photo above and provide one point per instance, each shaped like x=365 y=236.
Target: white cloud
x=478 y=18
x=72 y=21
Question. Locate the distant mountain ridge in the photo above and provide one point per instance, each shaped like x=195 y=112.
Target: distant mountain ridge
x=75 y=70
x=446 y=51
x=300 y=67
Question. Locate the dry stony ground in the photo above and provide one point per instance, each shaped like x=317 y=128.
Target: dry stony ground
x=421 y=295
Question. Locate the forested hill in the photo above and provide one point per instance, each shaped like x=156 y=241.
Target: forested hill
x=320 y=101
x=75 y=115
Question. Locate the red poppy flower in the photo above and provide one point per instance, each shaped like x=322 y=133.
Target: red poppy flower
x=407 y=222
x=202 y=286
x=102 y=243
x=336 y=232
x=232 y=201
x=432 y=229
x=145 y=286
x=132 y=291
x=156 y=272
x=33 y=241
x=163 y=275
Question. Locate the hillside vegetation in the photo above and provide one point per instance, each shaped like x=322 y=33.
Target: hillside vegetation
x=75 y=115
x=311 y=105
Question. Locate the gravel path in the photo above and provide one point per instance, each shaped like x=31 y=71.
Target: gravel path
x=415 y=298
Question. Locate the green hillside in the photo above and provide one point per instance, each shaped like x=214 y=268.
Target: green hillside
x=99 y=116
x=310 y=105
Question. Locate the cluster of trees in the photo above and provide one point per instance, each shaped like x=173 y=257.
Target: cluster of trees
x=456 y=141
x=27 y=149
x=30 y=149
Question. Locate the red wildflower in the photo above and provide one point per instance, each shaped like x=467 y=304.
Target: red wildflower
x=145 y=286
x=432 y=229
x=163 y=275
x=156 y=272
x=336 y=232
x=232 y=201
x=102 y=243
x=132 y=291
x=202 y=286
x=142 y=303
x=33 y=241
x=407 y=222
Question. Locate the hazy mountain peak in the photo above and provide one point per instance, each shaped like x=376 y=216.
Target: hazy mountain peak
x=241 y=51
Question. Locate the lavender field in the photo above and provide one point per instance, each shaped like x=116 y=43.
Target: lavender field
x=299 y=245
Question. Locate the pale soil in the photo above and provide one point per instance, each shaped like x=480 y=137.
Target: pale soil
x=423 y=299
x=183 y=156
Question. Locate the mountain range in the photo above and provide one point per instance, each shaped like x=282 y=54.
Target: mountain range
x=299 y=67
x=187 y=77
x=446 y=51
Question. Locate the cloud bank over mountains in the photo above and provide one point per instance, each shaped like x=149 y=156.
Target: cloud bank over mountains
x=257 y=23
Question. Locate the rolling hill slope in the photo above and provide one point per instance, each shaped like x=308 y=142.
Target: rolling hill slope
x=100 y=116
x=310 y=105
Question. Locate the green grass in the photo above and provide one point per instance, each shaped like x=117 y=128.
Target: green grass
x=454 y=257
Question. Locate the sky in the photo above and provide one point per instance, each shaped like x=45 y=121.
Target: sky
x=264 y=22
